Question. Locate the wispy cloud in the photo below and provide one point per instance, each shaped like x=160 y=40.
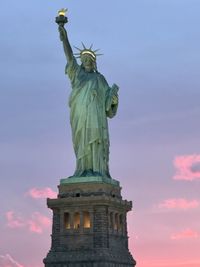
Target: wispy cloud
x=167 y=263
x=14 y=220
x=187 y=167
x=37 y=223
x=185 y=234
x=179 y=204
x=8 y=261
x=46 y=192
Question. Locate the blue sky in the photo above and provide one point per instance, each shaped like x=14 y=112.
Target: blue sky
x=151 y=50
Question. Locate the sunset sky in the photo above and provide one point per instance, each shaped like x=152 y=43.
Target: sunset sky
x=151 y=49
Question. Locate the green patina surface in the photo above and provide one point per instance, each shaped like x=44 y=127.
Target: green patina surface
x=92 y=100
x=89 y=179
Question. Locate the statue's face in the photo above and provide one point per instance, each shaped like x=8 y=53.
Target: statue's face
x=88 y=63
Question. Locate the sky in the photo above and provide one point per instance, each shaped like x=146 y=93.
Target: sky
x=151 y=50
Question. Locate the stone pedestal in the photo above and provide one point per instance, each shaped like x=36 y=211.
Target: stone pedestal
x=89 y=225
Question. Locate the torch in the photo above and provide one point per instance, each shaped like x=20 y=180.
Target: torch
x=61 y=19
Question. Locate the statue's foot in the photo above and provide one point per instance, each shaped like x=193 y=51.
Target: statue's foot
x=89 y=173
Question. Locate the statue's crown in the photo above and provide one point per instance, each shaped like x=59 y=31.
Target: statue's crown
x=87 y=51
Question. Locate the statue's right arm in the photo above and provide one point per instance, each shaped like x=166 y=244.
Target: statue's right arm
x=66 y=45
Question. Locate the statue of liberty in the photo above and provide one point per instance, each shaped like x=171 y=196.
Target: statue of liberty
x=91 y=101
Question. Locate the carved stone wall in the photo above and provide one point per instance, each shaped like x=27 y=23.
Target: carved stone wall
x=101 y=240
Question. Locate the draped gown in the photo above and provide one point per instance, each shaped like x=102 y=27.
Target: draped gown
x=90 y=104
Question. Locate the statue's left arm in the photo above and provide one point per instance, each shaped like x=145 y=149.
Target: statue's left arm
x=112 y=101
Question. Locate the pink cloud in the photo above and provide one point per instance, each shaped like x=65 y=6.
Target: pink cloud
x=46 y=192
x=187 y=167
x=37 y=223
x=13 y=220
x=188 y=233
x=8 y=261
x=179 y=203
x=167 y=263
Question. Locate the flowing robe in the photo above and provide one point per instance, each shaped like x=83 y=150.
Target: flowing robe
x=90 y=104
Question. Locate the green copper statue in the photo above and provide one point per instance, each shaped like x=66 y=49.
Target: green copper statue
x=91 y=101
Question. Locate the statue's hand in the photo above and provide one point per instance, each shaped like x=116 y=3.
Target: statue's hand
x=115 y=89
x=115 y=100
x=63 y=33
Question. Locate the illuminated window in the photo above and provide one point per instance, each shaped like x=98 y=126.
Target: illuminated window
x=116 y=224
x=76 y=220
x=86 y=219
x=111 y=220
x=67 y=220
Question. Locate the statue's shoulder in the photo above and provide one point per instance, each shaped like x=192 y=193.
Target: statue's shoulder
x=102 y=78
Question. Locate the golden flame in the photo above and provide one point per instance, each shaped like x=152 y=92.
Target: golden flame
x=62 y=12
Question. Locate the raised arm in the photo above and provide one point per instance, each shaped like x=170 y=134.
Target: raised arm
x=66 y=45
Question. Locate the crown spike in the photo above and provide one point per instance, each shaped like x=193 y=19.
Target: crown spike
x=78 y=48
x=88 y=51
x=83 y=45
